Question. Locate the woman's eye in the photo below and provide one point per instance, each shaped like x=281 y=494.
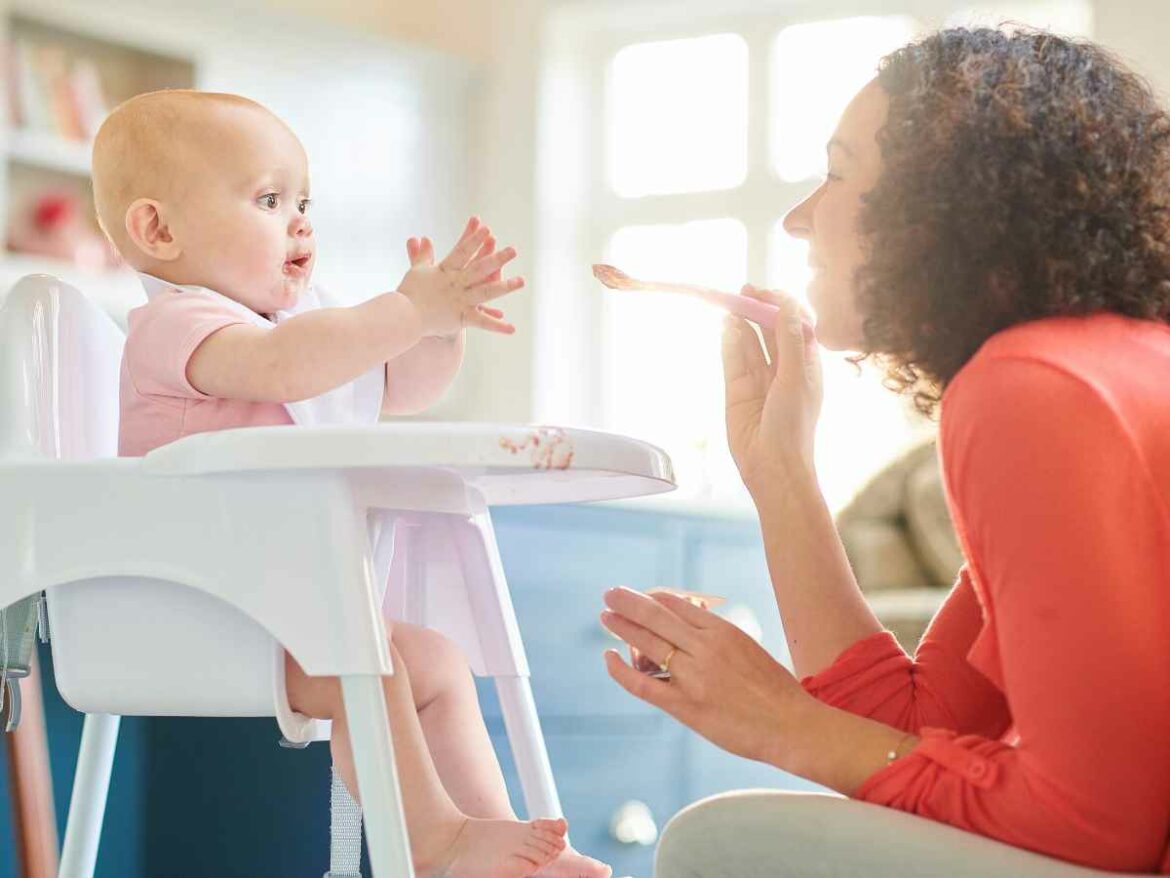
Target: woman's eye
x=303 y=205
x=270 y=200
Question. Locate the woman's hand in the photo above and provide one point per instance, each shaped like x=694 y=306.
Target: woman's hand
x=772 y=403
x=723 y=684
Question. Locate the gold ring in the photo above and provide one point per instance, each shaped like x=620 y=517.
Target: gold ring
x=666 y=661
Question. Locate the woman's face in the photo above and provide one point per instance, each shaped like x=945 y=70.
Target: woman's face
x=827 y=219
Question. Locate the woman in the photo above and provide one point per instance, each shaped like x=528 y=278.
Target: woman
x=995 y=227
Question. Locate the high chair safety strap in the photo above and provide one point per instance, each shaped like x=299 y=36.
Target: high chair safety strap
x=345 y=832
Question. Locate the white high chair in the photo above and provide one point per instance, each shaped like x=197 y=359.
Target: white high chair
x=176 y=581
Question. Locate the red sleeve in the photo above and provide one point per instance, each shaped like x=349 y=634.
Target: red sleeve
x=1067 y=535
x=876 y=679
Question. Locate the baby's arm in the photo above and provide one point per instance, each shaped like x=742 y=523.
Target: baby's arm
x=306 y=355
x=315 y=352
x=418 y=378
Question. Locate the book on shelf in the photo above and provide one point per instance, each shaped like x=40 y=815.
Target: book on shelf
x=53 y=92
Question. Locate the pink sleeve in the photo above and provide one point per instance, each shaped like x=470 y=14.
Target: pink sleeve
x=939 y=687
x=164 y=334
x=1066 y=533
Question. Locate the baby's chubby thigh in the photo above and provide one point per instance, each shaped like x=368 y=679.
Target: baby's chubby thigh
x=318 y=697
x=434 y=664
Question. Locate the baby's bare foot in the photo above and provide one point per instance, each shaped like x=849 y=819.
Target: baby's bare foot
x=499 y=849
x=571 y=864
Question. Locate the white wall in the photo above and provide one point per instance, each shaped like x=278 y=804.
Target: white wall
x=1138 y=31
x=466 y=28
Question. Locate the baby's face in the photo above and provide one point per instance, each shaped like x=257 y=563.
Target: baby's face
x=241 y=221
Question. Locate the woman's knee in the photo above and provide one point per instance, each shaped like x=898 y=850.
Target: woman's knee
x=740 y=833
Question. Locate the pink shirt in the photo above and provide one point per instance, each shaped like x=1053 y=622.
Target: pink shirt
x=158 y=403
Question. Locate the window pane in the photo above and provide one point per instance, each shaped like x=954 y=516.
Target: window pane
x=863 y=426
x=816 y=69
x=1068 y=17
x=663 y=376
x=788 y=262
x=677 y=119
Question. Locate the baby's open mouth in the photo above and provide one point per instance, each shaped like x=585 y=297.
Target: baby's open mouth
x=298 y=264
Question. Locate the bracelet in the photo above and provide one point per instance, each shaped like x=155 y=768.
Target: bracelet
x=893 y=754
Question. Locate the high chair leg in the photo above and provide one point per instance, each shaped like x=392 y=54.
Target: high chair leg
x=528 y=749
x=373 y=757
x=91 y=784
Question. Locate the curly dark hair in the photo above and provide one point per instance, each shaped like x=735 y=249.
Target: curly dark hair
x=1025 y=176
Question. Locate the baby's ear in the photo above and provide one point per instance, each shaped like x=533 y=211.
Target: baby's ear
x=147 y=230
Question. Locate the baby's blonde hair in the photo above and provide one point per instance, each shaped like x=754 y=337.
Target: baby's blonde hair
x=139 y=146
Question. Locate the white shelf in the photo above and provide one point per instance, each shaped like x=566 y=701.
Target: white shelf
x=49 y=151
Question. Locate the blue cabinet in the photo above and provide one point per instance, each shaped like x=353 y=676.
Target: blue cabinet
x=606 y=747
x=196 y=797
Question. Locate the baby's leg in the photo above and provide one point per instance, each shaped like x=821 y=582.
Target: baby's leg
x=448 y=710
x=442 y=838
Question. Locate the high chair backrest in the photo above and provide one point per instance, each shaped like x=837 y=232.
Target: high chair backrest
x=60 y=357
x=60 y=366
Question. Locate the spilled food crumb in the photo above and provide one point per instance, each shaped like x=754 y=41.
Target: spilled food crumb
x=547 y=447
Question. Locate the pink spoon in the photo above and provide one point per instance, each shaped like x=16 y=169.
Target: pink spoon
x=749 y=308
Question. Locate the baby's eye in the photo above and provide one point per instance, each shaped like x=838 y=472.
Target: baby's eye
x=303 y=205
x=270 y=200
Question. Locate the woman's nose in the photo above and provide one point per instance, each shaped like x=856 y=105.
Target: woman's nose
x=798 y=222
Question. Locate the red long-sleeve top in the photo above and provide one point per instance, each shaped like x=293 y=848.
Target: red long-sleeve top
x=1041 y=690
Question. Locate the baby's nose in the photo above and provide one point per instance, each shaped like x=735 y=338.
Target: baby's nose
x=301 y=226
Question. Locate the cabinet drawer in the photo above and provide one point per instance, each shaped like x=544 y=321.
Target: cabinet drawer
x=561 y=556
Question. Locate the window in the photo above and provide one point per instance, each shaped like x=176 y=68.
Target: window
x=677 y=116
x=809 y=94
x=672 y=147
x=662 y=378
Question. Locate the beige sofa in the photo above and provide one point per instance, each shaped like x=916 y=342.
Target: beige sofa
x=901 y=543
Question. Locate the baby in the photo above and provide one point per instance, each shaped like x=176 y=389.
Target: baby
x=207 y=196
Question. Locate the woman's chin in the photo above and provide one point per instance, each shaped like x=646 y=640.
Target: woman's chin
x=837 y=332
x=832 y=337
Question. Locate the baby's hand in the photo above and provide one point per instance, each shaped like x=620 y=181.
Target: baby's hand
x=452 y=294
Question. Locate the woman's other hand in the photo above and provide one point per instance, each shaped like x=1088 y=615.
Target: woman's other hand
x=772 y=401
x=723 y=684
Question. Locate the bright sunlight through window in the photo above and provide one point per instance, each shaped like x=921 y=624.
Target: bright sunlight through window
x=663 y=381
x=816 y=68
x=678 y=116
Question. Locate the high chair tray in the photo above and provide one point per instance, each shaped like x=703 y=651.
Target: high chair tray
x=505 y=464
